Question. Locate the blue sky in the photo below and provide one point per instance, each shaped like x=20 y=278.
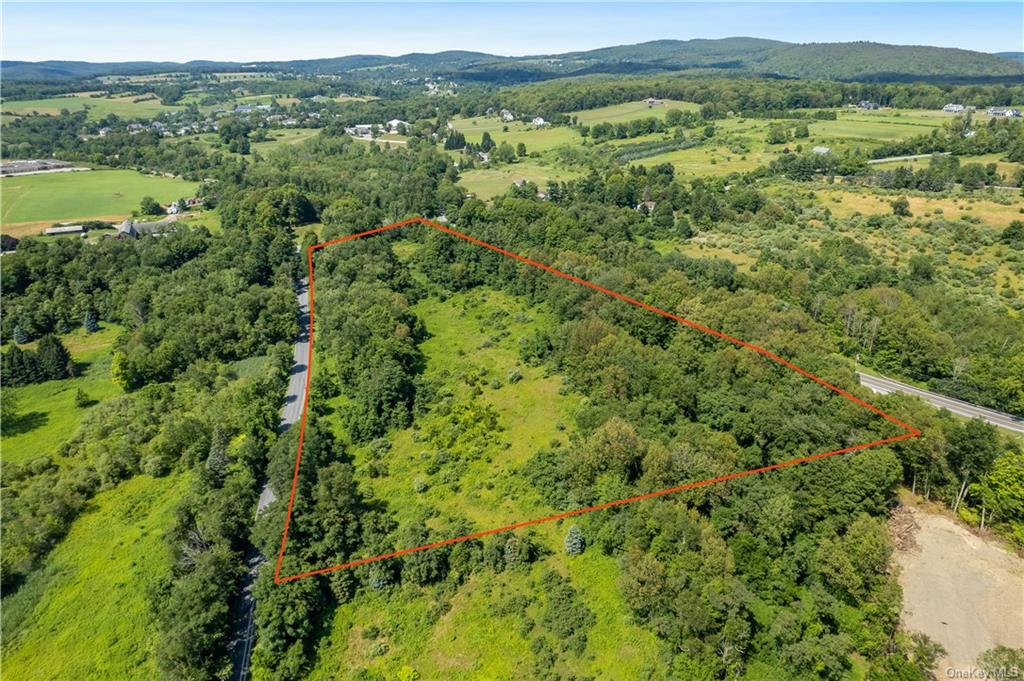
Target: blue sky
x=246 y=31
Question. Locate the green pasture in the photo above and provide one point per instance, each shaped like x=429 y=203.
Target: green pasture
x=99 y=106
x=486 y=183
x=47 y=414
x=32 y=202
x=535 y=139
x=84 y=614
x=621 y=113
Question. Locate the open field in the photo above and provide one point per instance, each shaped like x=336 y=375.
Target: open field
x=47 y=413
x=99 y=107
x=844 y=203
x=84 y=613
x=1004 y=168
x=276 y=138
x=477 y=334
x=535 y=139
x=31 y=203
x=621 y=113
x=486 y=183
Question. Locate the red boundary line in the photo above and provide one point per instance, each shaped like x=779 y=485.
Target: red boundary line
x=911 y=432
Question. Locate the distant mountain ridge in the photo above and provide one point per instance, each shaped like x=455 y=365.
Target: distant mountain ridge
x=864 y=61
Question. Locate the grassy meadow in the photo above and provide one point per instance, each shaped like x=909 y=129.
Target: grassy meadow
x=47 y=413
x=623 y=113
x=84 y=613
x=98 y=105
x=535 y=139
x=32 y=203
x=486 y=183
x=477 y=635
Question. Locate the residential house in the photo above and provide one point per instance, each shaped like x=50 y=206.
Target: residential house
x=953 y=108
x=651 y=101
x=507 y=116
x=646 y=206
x=865 y=104
x=539 y=122
x=395 y=124
x=822 y=150
x=133 y=230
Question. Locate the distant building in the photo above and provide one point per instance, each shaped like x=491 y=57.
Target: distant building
x=822 y=150
x=953 y=108
x=651 y=101
x=539 y=122
x=646 y=206
x=33 y=166
x=483 y=156
x=865 y=104
x=64 y=229
x=394 y=124
x=1000 y=111
x=133 y=230
x=507 y=116
x=8 y=244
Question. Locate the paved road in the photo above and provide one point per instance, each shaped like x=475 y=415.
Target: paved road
x=291 y=412
x=887 y=385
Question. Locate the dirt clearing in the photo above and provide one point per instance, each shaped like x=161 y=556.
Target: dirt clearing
x=962 y=591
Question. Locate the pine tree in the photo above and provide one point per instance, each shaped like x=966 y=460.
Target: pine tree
x=574 y=542
x=486 y=143
x=19 y=367
x=217 y=460
x=20 y=337
x=82 y=400
x=90 y=321
x=52 y=358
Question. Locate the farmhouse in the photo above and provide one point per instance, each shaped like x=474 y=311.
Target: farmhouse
x=865 y=104
x=133 y=230
x=646 y=206
x=539 y=122
x=395 y=124
x=651 y=101
x=953 y=108
x=507 y=116
x=1000 y=111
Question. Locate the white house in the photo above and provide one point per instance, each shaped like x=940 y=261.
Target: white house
x=539 y=122
x=394 y=124
x=953 y=108
x=821 y=150
x=507 y=116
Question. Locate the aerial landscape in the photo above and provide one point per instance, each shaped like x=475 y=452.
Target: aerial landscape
x=478 y=341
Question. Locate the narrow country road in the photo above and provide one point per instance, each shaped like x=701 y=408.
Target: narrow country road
x=245 y=631
x=884 y=386
x=911 y=157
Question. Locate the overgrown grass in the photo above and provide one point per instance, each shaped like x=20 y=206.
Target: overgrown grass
x=84 y=614
x=47 y=413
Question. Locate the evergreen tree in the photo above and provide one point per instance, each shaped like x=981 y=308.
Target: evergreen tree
x=19 y=367
x=82 y=400
x=217 y=460
x=52 y=358
x=486 y=143
x=20 y=337
x=574 y=542
x=521 y=150
x=90 y=321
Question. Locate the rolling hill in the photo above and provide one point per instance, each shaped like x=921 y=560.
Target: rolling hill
x=861 y=61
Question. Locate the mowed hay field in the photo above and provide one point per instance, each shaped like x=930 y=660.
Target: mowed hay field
x=535 y=139
x=621 y=113
x=99 y=106
x=84 y=613
x=33 y=202
x=486 y=183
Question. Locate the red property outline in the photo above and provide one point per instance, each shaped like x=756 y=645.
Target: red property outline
x=278 y=579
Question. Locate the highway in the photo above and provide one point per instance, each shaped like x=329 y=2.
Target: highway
x=291 y=411
x=880 y=384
